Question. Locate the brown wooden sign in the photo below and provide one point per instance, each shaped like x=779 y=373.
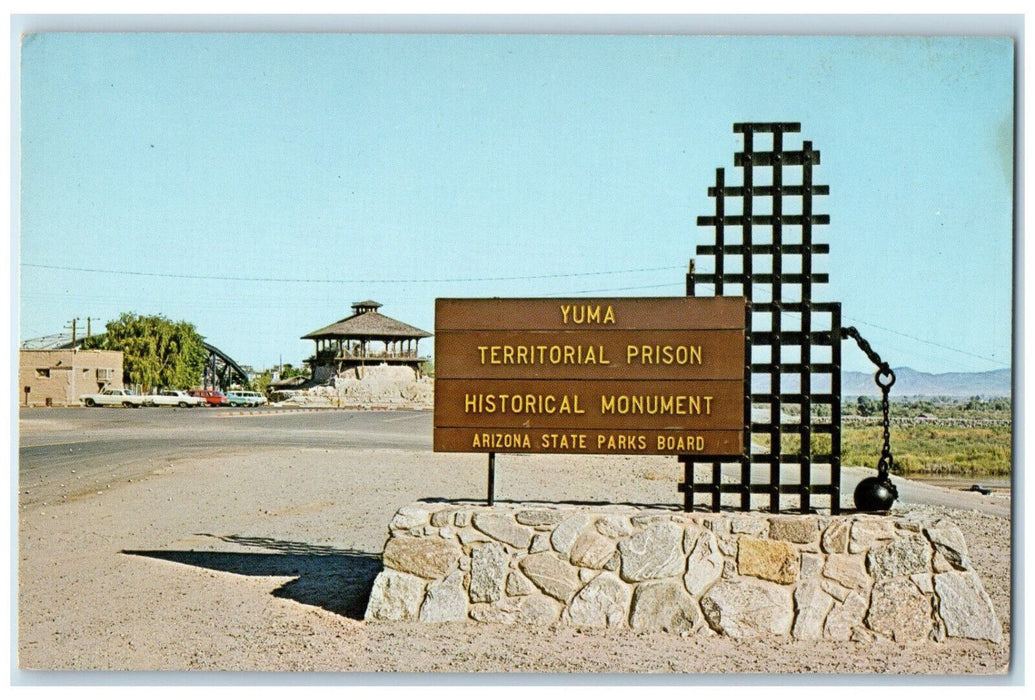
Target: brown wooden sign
x=613 y=376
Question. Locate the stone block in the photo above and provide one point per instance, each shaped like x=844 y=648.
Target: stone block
x=940 y=564
x=446 y=601
x=948 y=541
x=811 y=565
x=649 y=519
x=503 y=528
x=747 y=525
x=847 y=569
x=614 y=526
x=563 y=538
x=728 y=545
x=703 y=565
x=965 y=607
x=800 y=530
x=488 y=572
x=540 y=543
x=443 y=517
x=592 y=550
x=835 y=537
x=811 y=606
x=869 y=530
x=654 y=552
x=743 y=609
x=910 y=554
x=899 y=610
x=664 y=605
x=552 y=575
x=771 y=560
x=462 y=518
x=395 y=596
x=469 y=535
x=422 y=556
x=909 y=525
x=492 y=614
x=845 y=617
x=409 y=517
x=540 y=517
x=537 y=609
x=518 y=585
x=603 y=602
x=834 y=590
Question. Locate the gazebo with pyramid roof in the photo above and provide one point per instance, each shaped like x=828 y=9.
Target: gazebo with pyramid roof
x=347 y=344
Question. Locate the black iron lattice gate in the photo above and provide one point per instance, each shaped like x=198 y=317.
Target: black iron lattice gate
x=792 y=394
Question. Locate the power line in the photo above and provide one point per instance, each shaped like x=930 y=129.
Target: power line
x=929 y=342
x=487 y=279
x=763 y=287
x=616 y=289
x=218 y=278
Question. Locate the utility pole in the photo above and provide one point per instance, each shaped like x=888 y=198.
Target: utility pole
x=73 y=322
x=72 y=388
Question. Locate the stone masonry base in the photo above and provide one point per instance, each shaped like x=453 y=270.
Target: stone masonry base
x=847 y=577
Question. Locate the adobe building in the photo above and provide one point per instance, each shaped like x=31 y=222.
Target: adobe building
x=58 y=377
x=366 y=338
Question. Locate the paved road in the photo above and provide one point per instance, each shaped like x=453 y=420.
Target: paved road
x=61 y=450
x=65 y=450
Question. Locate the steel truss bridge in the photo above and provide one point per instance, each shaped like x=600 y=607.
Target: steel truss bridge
x=221 y=372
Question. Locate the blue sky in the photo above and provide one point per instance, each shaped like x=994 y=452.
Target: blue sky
x=258 y=184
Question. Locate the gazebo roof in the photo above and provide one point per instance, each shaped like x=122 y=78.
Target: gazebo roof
x=369 y=324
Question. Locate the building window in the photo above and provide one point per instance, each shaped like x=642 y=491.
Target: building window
x=42 y=373
x=104 y=374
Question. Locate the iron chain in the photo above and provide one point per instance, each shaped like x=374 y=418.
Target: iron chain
x=886 y=461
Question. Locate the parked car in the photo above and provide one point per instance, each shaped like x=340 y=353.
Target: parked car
x=174 y=397
x=245 y=398
x=113 y=397
x=211 y=396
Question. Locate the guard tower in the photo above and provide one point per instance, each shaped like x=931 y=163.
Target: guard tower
x=347 y=344
x=764 y=250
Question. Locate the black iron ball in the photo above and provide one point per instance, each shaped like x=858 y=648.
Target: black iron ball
x=875 y=494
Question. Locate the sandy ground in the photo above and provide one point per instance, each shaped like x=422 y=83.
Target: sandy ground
x=262 y=560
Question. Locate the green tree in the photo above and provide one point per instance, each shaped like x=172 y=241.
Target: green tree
x=156 y=352
x=290 y=370
x=261 y=382
x=865 y=406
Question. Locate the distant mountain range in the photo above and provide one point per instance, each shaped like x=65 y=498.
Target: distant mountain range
x=909 y=382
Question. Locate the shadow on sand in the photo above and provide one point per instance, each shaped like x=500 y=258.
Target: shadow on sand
x=337 y=580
